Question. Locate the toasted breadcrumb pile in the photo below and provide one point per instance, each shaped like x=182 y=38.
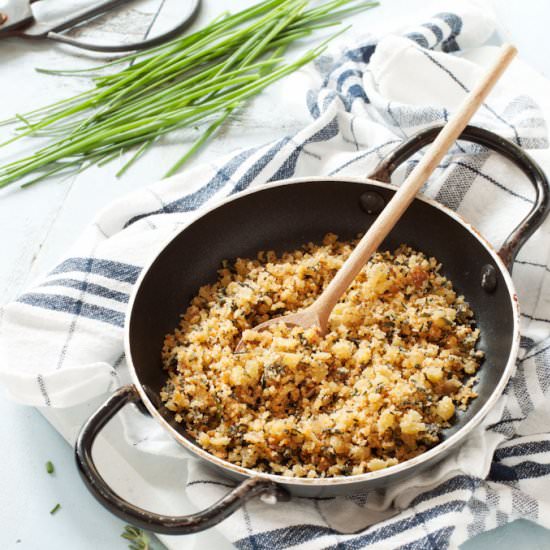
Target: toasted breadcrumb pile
x=376 y=390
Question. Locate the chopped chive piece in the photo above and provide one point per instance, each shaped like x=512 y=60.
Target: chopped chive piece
x=49 y=467
x=55 y=509
x=139 y=540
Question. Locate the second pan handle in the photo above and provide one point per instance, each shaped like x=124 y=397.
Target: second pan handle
x=169 y=525
x=541 y=206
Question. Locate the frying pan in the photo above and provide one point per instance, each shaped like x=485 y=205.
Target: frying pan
x=283 y=216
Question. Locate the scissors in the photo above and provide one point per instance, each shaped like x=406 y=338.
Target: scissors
x=17 y=19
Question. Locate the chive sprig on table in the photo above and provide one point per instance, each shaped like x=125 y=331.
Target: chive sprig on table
x=197 y=79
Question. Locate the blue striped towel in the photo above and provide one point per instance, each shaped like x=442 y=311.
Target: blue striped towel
x=364 y=98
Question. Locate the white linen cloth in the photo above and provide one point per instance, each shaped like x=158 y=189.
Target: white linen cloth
x=364 y=98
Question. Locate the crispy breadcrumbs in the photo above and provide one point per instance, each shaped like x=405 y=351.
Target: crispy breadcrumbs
x=376 y=390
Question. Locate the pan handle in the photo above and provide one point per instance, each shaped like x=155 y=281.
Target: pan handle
x=169 y=525
x=541 y=206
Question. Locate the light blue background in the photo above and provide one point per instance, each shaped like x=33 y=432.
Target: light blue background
x=28 y=493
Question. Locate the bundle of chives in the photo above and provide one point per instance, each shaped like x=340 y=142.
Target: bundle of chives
x=200 y=77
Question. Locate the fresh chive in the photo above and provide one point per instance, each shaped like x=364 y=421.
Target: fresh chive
x=140 y=152
x=49 y=467
x=199 y=143
x=55 y=509
x=193 y=79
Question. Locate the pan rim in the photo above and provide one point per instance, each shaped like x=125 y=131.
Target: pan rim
x=390 y=472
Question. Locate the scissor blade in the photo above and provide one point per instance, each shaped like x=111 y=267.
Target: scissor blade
x=42 y=26
x=15 y=16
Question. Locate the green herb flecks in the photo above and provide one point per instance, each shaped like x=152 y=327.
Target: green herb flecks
x=50 y=467
x=55 y=509
x=139 y=540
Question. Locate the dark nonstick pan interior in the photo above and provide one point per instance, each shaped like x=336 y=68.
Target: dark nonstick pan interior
x=283 y=218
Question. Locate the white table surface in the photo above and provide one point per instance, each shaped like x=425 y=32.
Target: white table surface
x=38 y=224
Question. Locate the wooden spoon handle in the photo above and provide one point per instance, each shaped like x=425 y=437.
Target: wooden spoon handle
x=410 y=187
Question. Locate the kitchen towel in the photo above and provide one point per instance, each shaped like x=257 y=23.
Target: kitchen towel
x=364 y=97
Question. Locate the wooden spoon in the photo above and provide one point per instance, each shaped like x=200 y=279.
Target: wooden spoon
x=317 y=314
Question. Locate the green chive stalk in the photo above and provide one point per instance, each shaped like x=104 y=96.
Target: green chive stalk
x=198 y=79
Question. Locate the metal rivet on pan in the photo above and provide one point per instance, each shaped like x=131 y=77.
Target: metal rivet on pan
x=488 y=278
x=372 y=202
